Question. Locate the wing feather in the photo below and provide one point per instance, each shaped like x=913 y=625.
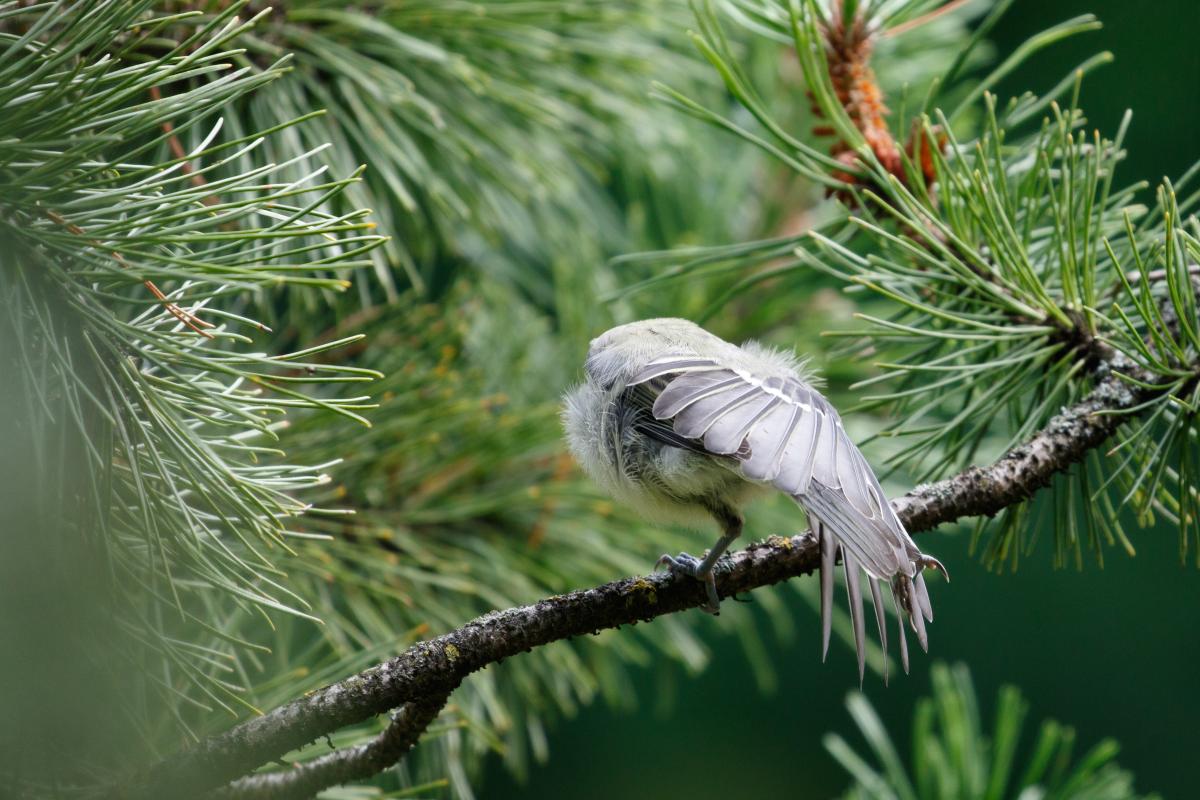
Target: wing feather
x=900 y=625
x=728 y=434
x=695 y=420
x=673 y=364
x=923 y=597
x=853 y=483
x=908 y=599
x=868 y=540
x=688 y=389
x=780 y=430
x=768 y=440
x=824 y=469
x=795 y=474
x=828 y=566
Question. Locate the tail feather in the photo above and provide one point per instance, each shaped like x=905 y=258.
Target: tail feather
x=903 y=638
x=828 y=563
x=854 y=596
x=909 y=593
x=881 y=623
x=923 y=596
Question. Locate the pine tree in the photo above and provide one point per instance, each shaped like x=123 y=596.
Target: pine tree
x=208 y=526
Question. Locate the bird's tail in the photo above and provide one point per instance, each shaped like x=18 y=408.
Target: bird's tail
x=909 y=594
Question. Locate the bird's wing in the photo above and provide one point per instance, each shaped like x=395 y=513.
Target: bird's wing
x=781 y=431
x=641 y=398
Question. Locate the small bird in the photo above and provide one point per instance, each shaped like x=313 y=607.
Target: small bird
x=684 y=426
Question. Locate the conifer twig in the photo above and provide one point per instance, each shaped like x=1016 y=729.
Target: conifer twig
x=186 y=317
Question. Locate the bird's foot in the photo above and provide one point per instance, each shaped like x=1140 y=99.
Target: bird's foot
x=684 y=564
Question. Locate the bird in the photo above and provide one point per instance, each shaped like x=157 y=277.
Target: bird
x=682 y=426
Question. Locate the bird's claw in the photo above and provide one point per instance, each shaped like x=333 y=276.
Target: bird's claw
x=929 y=562
x=684 y=564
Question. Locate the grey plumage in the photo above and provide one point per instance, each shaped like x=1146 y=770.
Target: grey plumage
x=679 y=423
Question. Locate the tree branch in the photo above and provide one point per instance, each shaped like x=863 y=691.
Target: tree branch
x=342 y=766
x=434 y=668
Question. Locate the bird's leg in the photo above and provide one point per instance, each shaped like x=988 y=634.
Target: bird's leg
x=702 y=569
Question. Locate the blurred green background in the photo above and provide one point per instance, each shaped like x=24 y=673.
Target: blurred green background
x=1111 y=652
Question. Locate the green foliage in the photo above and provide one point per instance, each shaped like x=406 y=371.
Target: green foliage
x=176 y=166
x=993 y=269
x=954 y=758
x=1155 y=324
x=464 y=503
x=171 y=404
x=489 y=127
x=446 y=524
x=512 y=149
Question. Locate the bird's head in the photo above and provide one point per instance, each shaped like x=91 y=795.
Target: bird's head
x=651 y=334
x=625 y=349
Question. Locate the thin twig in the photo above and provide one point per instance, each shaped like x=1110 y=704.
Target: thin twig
x=186 y=317
x=435 y=667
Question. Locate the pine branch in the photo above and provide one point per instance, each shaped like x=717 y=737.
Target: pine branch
x=433 y=668
x=1028 y=467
